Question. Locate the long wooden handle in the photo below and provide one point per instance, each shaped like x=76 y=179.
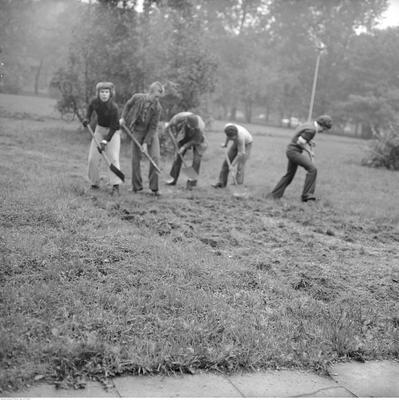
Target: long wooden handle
x=128 y=131
x=177 y=147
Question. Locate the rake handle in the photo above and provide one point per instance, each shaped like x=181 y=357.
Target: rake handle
x=177 y=147
x=231 y=169
x=127 y=130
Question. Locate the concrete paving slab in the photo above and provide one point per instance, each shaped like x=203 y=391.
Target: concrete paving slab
x=201 y=385
x=369 y=379
x=287 y=384
x=92 y=389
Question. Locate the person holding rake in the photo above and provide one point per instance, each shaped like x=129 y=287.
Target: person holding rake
x=106 y=134
x=141 y=115
x=187 y=132
x=302 y=142
x=238 y=154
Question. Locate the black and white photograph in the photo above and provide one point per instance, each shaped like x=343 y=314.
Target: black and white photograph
x=199 y=198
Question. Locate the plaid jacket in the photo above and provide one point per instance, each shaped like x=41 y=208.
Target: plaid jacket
x=133 y=114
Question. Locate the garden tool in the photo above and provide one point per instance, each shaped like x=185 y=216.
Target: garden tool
x=186 y=170
x=231 y=168
x=111 y=166
x=129 y=132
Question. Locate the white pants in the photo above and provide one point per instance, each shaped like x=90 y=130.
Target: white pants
x=95 y=158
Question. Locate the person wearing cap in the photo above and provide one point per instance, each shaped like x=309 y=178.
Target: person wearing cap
x=141 y=114
x=238 y=153
x=188 y=128
x=300 y=143
x=106 y=133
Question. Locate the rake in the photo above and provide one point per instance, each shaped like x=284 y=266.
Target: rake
x=129 y=132
x=231 y=168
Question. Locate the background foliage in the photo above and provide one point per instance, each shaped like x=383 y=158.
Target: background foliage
x=250 y=60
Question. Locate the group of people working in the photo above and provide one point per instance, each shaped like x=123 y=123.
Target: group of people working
x=140 y=117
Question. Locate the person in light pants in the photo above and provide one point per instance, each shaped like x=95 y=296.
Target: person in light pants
x=106 y=133
x=112 y=150
x=238 y=153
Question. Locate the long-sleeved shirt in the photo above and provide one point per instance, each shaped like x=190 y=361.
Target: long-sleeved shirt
x=306 y=131
x=142 y=113
x=107 y=115
x=190 y=136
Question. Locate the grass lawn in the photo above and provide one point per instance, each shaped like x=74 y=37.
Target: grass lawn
x=95 y=286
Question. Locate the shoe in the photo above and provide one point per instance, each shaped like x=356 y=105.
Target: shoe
x=115 y=190
x=135 y=190
x=95 y=187
x=271 y=196
x=156 y=193
x=217 y=185
x=191 y=184
x=171 y=182
x=310 y=198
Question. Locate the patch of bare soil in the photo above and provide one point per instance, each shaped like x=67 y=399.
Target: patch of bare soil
x=310 y=246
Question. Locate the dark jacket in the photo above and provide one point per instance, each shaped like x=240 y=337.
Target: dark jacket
x=307 y=130
x=190 y=136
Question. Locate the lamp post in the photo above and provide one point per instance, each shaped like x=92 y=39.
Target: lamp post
x=320 y=49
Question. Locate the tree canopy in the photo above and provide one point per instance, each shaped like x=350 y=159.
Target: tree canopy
x=220 y=57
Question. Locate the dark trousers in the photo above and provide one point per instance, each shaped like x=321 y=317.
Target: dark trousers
x=154 y=152
x=295 y=158
x=177 y=163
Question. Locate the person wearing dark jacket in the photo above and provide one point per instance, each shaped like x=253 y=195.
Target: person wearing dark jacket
x=300 y=143
x=189 y=130
x=106 y=133
x=141 y=114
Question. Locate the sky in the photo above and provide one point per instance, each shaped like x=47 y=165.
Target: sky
x=391 y=16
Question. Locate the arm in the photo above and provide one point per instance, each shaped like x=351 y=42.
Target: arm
x=304 y=144
x=240 y=150
x=196 y=139
x=225 y=142
x=114 y=124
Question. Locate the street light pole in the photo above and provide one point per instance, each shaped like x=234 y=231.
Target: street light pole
x=316 y=72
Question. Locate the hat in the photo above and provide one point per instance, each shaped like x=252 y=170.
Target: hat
x=192 y=121
x=325 y=121
x=105 y=85
x=230 y=130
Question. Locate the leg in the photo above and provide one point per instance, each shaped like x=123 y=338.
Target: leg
x=112 y=151
x=224 y=173
x=176 y=166
x=154 y=152
x=94 y=160
x=197 y=157
x=241 y=164
x=137 y=181
x=292 y=166
x=310 y=181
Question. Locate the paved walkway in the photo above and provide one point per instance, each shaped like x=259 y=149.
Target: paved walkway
x=370 y=379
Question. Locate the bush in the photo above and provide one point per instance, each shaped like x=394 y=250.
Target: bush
x=384 y=149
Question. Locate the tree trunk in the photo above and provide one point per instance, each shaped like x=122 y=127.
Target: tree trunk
x=37 y=75
x=248 y=111
x=267 y=113
x=233 y=113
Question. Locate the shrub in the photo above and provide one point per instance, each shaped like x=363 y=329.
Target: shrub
x=383 y=151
